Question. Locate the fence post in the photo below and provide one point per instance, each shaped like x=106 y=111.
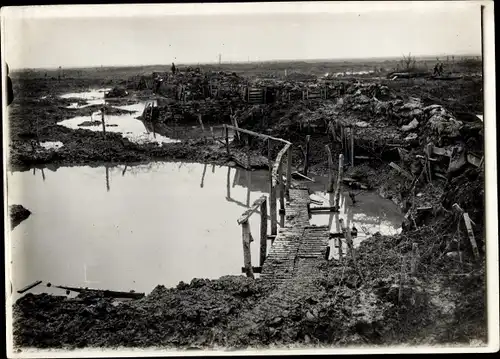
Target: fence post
x=330 y=169
x=247 y=238
x=263 y=232
x=289 y=171
x=281 y=187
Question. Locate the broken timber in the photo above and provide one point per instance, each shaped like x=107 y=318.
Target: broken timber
x=106 y=293
x=400 y=170
x=29 y=286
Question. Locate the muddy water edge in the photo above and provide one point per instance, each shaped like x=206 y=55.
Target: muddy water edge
x=343 y=309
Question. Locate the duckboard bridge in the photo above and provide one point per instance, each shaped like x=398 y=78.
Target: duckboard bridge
x=297 y=247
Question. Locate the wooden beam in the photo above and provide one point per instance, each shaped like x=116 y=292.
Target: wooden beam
x=255 y=206
x=106 y=293
x=339 y=181
x=324 y=208
x=29 y=286
x=301 y=175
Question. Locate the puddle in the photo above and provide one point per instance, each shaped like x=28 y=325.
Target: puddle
x=134 y=227
x=48 y=145
x=92 y=97
x=370 y=214
x=124 y=228
x=127 y=124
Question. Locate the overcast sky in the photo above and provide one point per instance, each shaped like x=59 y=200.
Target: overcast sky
x=109 y=36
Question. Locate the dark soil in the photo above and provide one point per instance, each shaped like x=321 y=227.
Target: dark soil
x=17 y=214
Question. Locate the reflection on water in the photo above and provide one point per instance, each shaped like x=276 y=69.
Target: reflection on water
x=130 y=227
x=127 y=124
x=133 y=227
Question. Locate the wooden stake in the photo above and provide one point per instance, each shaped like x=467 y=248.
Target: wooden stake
x=468 y=225
x=350 y=246
x=263 y=232
x=306 y=159
x=330 y=169
x=212 y=132
x=247 y=257
x=352 y=146
x=428 y=153
x=341 y=254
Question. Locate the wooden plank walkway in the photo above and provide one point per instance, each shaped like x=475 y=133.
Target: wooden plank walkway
x=298 y=245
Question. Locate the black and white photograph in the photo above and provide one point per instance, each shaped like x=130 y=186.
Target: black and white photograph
x=302 y=177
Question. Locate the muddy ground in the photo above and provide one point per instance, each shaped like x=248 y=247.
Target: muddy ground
x=443 y=303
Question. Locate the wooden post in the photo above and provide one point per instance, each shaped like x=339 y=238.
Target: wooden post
x=247 y=238
x=342 y=135
x=272 y=192
x=352 y=146
x=468 y=225
x=306 y=159
x=281 y=188
x=330 y=169
x=226 y=130
x=103 y=123
x=263 y=232
x=339 y=181
x=341 y=254
x=289 y=172
x=428 y=162
x=350 y=247
x=202 y=127
x=235 y=124
x=414 y=259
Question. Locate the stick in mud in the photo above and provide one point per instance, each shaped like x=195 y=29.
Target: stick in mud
x=401 y=280
x=226 y=133
x=212 y=132
x=245 y=227
x=414 y=259
x=330 y=169
x=473 y=243
x=350 y=247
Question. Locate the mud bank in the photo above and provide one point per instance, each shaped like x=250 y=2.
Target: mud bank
x=17 y=214
x=443 y=302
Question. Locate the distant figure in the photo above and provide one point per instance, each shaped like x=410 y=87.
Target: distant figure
x=436 y=69
x=173 y=68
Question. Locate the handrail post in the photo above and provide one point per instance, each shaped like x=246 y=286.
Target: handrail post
x=330 y=169
x=289 y=172
x=339 y=181
x=263 y=232
x=247 y=238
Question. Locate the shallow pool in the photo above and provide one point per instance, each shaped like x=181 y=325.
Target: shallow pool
x=134 y=227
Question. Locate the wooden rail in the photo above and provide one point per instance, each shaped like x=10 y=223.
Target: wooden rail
x=256 y=134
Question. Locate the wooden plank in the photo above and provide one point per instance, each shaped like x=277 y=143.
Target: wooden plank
x=473 y=243
x=324 y=208
x=255 y=206
x=400 y=170
x=29 y=286
x=260 y=135
x=247 y=257
x=106 y=293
